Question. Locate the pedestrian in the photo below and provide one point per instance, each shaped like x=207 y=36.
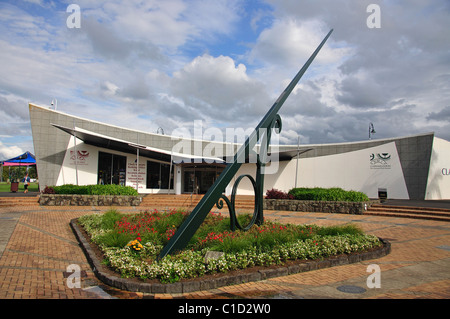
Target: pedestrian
x=26 y=182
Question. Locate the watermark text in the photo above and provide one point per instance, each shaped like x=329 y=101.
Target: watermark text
x=374 y=280
x=374 y=19
x=74 y=19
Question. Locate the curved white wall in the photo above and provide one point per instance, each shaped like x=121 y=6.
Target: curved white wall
x=351 y=171
x=438 y=184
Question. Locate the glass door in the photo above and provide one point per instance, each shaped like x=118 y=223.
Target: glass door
x=111 y=168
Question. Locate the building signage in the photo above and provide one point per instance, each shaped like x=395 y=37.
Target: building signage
x=380 y=161
x=445 y=171
x=136 y=174
x=81 y=157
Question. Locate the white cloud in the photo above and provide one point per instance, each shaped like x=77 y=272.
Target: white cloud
x=168 y=24
x=218 y=88
x=7 y=152
x=290 y=42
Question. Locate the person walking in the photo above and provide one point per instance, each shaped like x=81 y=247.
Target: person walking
x=26 y=182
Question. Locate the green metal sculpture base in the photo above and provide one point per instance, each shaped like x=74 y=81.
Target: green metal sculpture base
x=257 y=217
x=214 y=196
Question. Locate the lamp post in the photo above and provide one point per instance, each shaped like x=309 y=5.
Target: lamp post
x=75 y=151
x=298 y=155
x=371 y=130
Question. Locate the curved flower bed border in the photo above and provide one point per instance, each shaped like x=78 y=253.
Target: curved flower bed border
x=213 y=282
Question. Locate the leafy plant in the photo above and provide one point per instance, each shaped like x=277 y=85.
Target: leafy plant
x=94 y=190
x=277 y=194
x=114 y=239
x=340 y=230
x=328 y=194
x=48 y=190
x=110 y=218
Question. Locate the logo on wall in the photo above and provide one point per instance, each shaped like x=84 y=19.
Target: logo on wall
x=82 y=157
x=380 y=161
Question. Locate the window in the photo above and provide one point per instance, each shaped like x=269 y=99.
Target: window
x=199 y=178
x=111 y=168
x=158 y=175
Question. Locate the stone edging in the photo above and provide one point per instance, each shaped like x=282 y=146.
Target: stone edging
x=207 y=284
x=318 y=206
x=88 y=200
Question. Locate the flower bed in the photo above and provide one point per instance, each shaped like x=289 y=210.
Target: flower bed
x=131 y=244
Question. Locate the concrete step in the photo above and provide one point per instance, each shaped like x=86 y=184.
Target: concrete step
x=163 y=201
x=439 y=214
x=18 y=201
x=412 y=210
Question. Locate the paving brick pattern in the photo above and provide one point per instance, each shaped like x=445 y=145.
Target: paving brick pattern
x=37 y=245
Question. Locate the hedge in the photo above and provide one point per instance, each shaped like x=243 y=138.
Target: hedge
x=328 y=194
x=92 y=190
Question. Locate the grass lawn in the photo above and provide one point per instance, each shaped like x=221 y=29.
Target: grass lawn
x=6 y=187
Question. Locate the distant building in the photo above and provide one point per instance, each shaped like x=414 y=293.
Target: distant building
x=73 y=150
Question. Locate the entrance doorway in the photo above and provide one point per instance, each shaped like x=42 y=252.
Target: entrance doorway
x=158 y=175
x=198 y=179
x=111 y=168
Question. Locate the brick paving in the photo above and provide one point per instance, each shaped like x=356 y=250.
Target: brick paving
x=37 y=246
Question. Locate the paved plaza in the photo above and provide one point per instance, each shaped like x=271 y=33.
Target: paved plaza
x=37 y=246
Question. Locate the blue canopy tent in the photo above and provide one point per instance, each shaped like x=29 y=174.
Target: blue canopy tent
x=25 y=159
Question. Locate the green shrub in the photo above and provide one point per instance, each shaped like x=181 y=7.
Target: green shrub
x=328 y=194
x=111 y=190
x=70 y=189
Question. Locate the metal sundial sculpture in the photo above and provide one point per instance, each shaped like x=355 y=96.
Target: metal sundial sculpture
x=215 y=196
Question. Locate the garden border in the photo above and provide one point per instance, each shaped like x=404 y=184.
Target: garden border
x=332 y=207
x=223 y=280
x=89 y=200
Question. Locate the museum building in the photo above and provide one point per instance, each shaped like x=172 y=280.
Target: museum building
x=74 y=150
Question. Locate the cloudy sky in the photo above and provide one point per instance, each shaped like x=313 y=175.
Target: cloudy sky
x=165 y=64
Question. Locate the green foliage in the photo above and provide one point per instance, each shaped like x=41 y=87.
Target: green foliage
x=115 y=239
x=328 y=194
x=340 y=230
x=16 y=173
x=95 y=190
x=110 y=218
